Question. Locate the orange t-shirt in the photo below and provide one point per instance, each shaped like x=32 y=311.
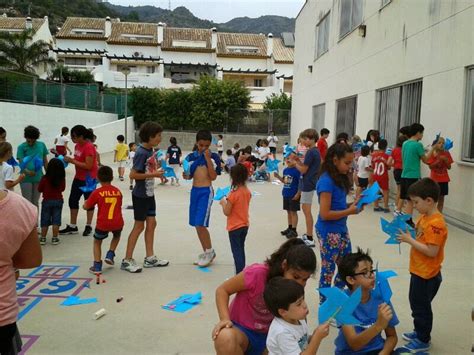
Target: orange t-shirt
x=239 y=216
x=429 y=230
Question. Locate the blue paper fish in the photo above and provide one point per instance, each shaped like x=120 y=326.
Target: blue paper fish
x=272 y=165
x=37 y=163
x=12 y=161
x=339 y=305
x=393 y=228
x=184 y=303
x=61 y=157
x=214 y=140
x=159 y=154
x=186 y=167
x=436 y=138
x=370 y=195
x=168 y=170
x=221 y=193
x=382 y=287
x=448 y=144
x=91 y=185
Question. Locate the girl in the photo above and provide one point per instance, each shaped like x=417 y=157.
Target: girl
x=173 y=155
x=52 y=185
x=439 y=161
x=85 y=161
x=243 y=326
x=331 y=227
x=61 y=142
x=397 y=170
x=372 y=139
x=236 y=208
x=7 y=180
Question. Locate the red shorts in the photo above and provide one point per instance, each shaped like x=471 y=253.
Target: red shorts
x=382 y=181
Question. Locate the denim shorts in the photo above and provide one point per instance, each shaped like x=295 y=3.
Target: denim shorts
x=101 y=235
x=51 y=212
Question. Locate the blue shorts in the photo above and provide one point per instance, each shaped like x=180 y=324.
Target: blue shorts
x=200 y=206
x=51 y=212
x=257 y=341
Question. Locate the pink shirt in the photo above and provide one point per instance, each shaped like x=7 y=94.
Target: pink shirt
x=248 y=307
x=80 y=153
x=19 y=217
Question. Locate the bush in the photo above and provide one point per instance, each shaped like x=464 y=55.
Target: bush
x=278 y=102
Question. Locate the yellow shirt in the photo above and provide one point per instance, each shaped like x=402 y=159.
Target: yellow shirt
x=121 y=150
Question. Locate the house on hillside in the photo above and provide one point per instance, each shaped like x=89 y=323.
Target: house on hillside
x=385 y=64
x=166 y=57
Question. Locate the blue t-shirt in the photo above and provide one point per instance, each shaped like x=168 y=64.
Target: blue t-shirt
x=291 y=177
x=174 y=153
x=338 y=203
x=312 y=160
x=144 y=161
x=197 y=159
x=366 y=313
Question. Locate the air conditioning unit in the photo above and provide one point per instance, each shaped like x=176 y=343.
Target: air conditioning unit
x=138 y=54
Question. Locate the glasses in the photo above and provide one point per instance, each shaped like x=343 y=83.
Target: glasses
x=366 y=274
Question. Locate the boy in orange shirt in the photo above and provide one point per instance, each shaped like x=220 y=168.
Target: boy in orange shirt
x=426 y=257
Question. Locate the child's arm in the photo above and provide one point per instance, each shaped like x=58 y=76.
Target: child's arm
x=226 y=206
x=275 y=174
x=67 y=148
x=115 y=155
x=330 y=215
x=12 y=183
x=210 y=166
x=319 y=334
x=391 y=340
x=430 y=250
x=302 y=168
x=135 y=175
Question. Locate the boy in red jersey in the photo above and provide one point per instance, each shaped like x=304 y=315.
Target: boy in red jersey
x=108 y=198
x=381 y=163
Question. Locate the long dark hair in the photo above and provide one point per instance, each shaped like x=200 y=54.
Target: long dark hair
x=81 y=131
x=339 y=151
x=55 y=172
x=297 y=254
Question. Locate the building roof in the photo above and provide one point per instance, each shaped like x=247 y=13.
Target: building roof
x=281 y=53
x=119 y=29
x=84 y=23
x=226 y=40
x=19 y=23
x=186 y=34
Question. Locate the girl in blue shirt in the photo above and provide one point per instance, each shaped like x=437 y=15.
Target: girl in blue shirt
x=331 y=227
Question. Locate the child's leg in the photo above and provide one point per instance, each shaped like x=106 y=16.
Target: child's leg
x=306 y=207
x=97 y=250
x=385 y=199
x=441 y=203
x=290 y=220
x=294 y=219
x=150 y=235
x=55 y=230
x=204 y=237
x=237 y=245
x=44 y=231
x=397 y=199
x=345 y=247
x=138 y=228
x=115 y=241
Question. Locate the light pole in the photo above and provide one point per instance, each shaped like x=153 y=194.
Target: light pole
x=125 y=71
x=61 y=63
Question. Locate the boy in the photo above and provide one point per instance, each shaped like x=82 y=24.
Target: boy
x=230 y=162
x=205 y=166
x=144 y=172
x=426 y=257
x=363 y=169
x=322 y=143
x=288 y=333
x=220 y=145
x=173 y=155
x=272 y=143
x=309 y=169
x=108 y=198
x=263 y=152
x=412 y=152
x=291 y=197
x=120 y=155
x=375 y=316
x=132 y=147
x=381 y=163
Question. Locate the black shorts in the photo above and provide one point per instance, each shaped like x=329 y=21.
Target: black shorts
x=10 y=340
x=273 y=150
x=76 y=193
x=101 y=235
x=143 y=207
x=291 y=205
x=363 y=182
x=397 y=175
x=404 y=185
x=443 y=188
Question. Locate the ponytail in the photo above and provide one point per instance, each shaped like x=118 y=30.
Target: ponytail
x=81 y=131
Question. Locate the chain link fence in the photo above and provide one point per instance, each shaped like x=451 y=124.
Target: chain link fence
x=253 y=121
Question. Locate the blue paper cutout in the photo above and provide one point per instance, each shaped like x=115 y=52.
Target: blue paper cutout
x=393 y=228
x=203 y=269
x=357 y=146
x=75 y=300
x=448 y=144
x=272 y=165
x=186 y=167
x=382 y=287
x=168 y=170
x=61 y=157
x=159 y=153
x=91 y=185
x=221 y=193
x=37 y=163
x=214 y=140
x=184 y=303
x=370 y=195
x=436 y=138
x=339 y=305
x=12 y=161
x=389 y=151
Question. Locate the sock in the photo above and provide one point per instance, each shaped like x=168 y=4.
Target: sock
x=88 y=225
x=290 y=226
x=72 y=225
x=293 y=229
x=209 y=250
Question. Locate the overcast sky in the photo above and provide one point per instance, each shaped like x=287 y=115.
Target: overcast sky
x=225 y=10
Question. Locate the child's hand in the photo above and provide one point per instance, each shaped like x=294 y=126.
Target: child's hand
x=384 y=315
x=207 y=154
x=404 y=237
x=29 y=172
x=322 y=331
x=353 y=209
x=223 y=201
x=21 y=177
x=68 y=159
x=297 y=196
x=222 y=324
x=158 y=173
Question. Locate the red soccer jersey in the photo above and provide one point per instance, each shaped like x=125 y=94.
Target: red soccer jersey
x=380 y=166
x=439 y=165
x=109 y=200
x=322 y=147
x=397 y=158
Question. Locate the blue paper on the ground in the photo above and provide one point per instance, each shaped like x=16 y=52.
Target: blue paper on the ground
x=203 y=269
x=75 y=300
x=382 y=286
x=61 y=157
x=339 y=305
x=221 y=193
x=272 y=165
x=186 y=167
x=448 y=144
x=91 y=185
x=393 y=228
x=168 y=170
x=370 y=195
x=184 y=303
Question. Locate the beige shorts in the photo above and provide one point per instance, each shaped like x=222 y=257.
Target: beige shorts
x=307 y=197
x=122 y=163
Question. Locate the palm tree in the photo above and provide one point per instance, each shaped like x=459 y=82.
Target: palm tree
x=18 y=52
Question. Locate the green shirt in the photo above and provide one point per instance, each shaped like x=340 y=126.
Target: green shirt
x=412 y=151
x=25 y=150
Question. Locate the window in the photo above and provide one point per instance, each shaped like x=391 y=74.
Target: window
x=385 y=2
x=346 y=116
x=468 y=141
x=319 y=113
x=257 y=83
x=351 y=16
x=233 y=49
x=133 y=69
x=97 y=62
x=322 y=36
x=189 y=44
x=135 y=37
x=75 y=61
x=150 y=69
x=87 y=31
x=398 y=107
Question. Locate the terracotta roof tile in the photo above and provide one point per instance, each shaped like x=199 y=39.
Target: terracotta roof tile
x=281 y=53
x=226 y=40
x=19 y=23
x=82 y=23
x=186 y=34
x=119 y=29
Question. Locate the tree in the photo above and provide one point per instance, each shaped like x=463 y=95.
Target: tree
x=72 y=76
x=278 y=102
x=18 y=52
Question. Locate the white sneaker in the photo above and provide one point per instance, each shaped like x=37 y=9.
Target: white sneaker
x=308 y=241
x=153 y=261
x=200 y=256
x=130 y=266
x=206 y=258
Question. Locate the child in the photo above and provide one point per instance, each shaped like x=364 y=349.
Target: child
x=7 y=179
x=439 y=161
x=236 y=208
x=132 y=147
x=205 y=166
x=243 y=326
x=120 y=155
x=230 y=162
x=52 y=185
x=301 y=149
x=144 y=172
x=426 y=257
x=288 y=333
x=236 y=148
x=291 y=197
x=173 y=155
x=331 y=227
x=61 y=142
x=372 y=139
x=263 y=152
x=272 y=143
x=381 y=163
x=220 y=145
x=108 y=198
x=309 y=170
x=397 y=171
x=363 y=169
x=375 y=316
x=322 y=143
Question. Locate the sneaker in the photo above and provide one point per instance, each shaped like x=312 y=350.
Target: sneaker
x=87 y=231
x=42 y=240
x=378 y=209
x=286 y=231
x=415 y=346
x=308 y=241
x=291 y=234
x=397 y=213
x=131 y=187
x=207 y=258
x=109 y=257
x=409 y=336
x=55 y=240
x=200 y=256
x=69 y=230
x=96 y=268
x=172 y=182
x=386 y=210
x=153 y=261
x=130 y=266
x=121 y=178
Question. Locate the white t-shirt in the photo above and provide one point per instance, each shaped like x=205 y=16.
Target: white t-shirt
x=62 y=140
x=362 y=163
x=272 y=141
x=220 y=145
x=263 y=152
x=287 y=339
x=6 y=174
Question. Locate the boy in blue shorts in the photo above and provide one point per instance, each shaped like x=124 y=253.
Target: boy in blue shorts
x=204 y=168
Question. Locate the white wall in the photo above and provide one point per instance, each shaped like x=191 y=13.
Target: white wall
x=49 y=120
x=243 y=63
x=107 y=134
x=129 y=50
x=186 y=57
x=81 y=44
